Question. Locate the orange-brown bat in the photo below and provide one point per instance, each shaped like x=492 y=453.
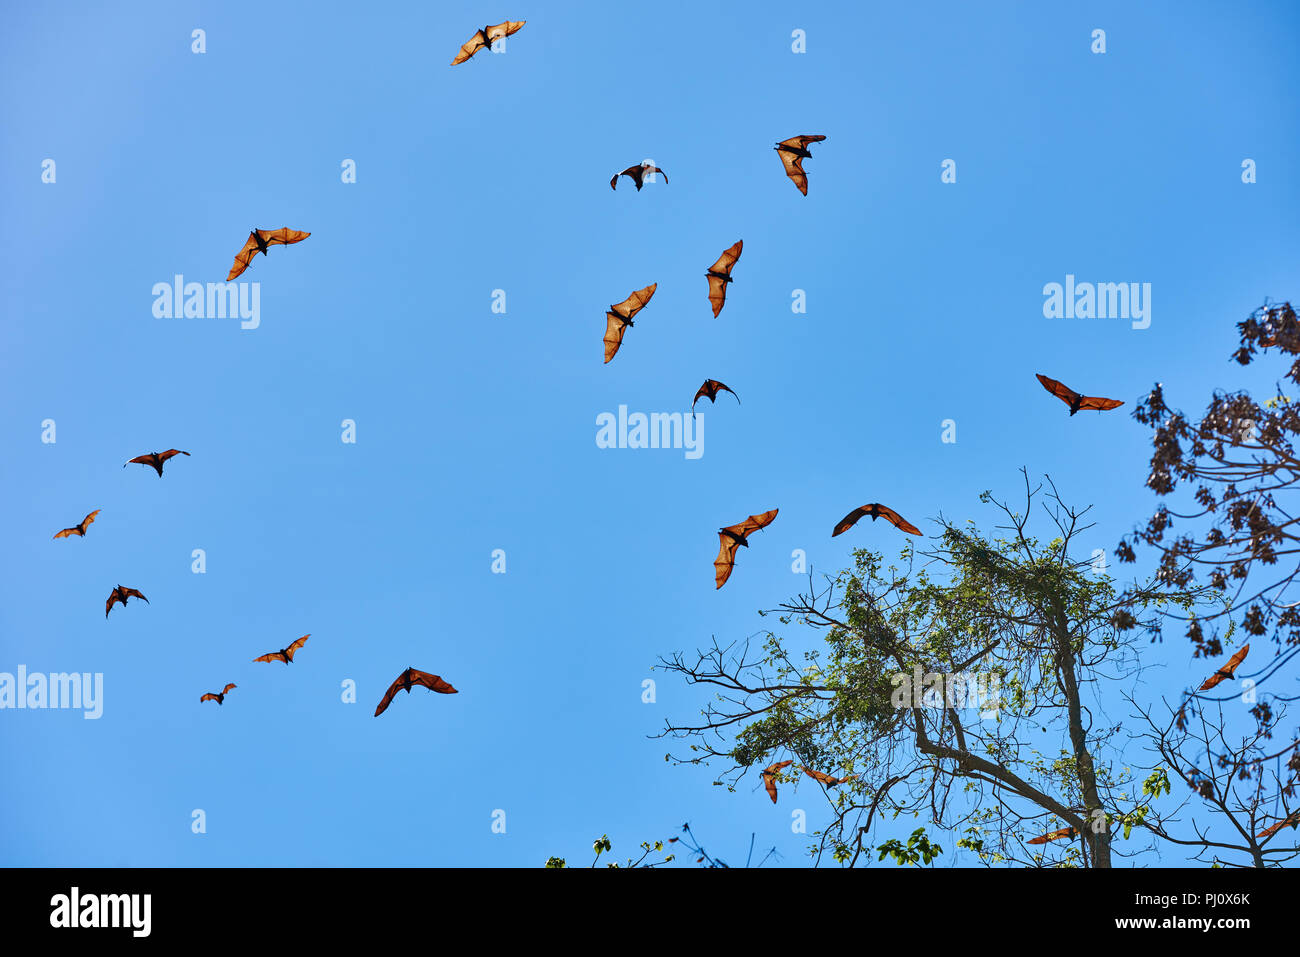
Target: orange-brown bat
x=122 y=594
x=408 y=679
x=1063 y=834
x=769 y=777
x=637 y=175
x=259 y=241
x=486 y=37
x=284 y=654
x=1272 y=829
x=719 y=275
x=875 y=510
x=155 y=460
x=217 y=696
x=733 y=537
x=1074 y=400
x=80 y=527
x=1229 y=670
x=619 y=318
x=710 y=391
x=826 y=779
x=793 y=152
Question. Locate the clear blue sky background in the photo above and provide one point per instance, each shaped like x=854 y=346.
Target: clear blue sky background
x=477 y=431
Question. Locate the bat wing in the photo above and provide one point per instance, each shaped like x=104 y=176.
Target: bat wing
x=717 y=294
x=701 y=391
x=755 y=522
x=209 y=697
x=293 y=649
x=283 y=236
x=507 y=29
x=388 y=695
x=718 y=287
x=140 y=460
x=727 y=261
x=1064 y=832
x=90 y=519
x=228 y=688
x=801 y=142
x=170 y=453
x=476 y=42
x=726 y=560
x=243 y=259
x=793 y=164
x=1229 y=669
x=1272 y=829
x=634 y=303
x=271 y=656
x=108 y=605
x=614 y=329
x=68 y=533
x=769 y=783
x=630 y=172
x=817 y=775
x=432 y=682
x=849 y=520
x=1091 y=402
x=134 y=593
x=897 y=520
x=1058 y=389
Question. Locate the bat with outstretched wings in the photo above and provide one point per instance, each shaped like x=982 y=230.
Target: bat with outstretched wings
x=710 y=391
x=733 y=537
x=80 y=527
x=1293 y=820
x=284 y=654
x=875 y=510
x=719 y=275
x=259 y=241
x=793 y=152
x=409 y=679
x=1064 y=833
x=619 y=318
x=768 y=775
x=122 y=594
x=1077 y=402
x=637 y=174
x=218 y=696
x=486 y=37
x=827 y=779
x=1229 y=669
x=155 y=460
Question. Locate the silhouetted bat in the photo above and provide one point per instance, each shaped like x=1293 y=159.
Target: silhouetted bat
x=486 y=37
x=155 y=460
x=1229 y=670
x=259 y=240
x=719 y=275
x=710 y=391
x=875 y=510
x=284 y=654
x=1272 y=829
x=1074 y=400
x=793 y=152
x=218 y=697
x=122 y=594
x=1062 y=834
x=826 y=779
x=80 y=527
x=408 y=679
x=769 y=777
x=619 y=318
x=637 y=175
x=733 y=537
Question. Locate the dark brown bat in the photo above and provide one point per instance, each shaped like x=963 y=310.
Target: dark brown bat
x=259 y=241
x=1074 y=400
x=733 y=537
x=769 y=777
x=122 y=594
x=710 y=391
x=637 y=175
x=1063 y=834
x=408 y=679
x=1229 y=670
x=486 y=37
x=284 y=654
x=1272 y=829
x=619 y=318
x=875 y=510
x=793 y=152
x=80 y=527
x=826 y=779
x=155 y=460
x=217 y=696
x=719 y=275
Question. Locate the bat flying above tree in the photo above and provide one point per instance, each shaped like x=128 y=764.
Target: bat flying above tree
x=284 y=654
x=733 y=537
x=710 y=391
x=1063 y=834
x=155 y=460
x=719 y=275
x=122 y=594
x=1272 y=829
x=793 y=152
x=769 y=777
x=259 y=241
x=80 y=527
x=619 y=318
x=1229 y=670
x=826 y=779
x=218 y=696
x=1074 y=400
x=637 y=175
x=875 y=510
x=486 y=37
x=407 y=680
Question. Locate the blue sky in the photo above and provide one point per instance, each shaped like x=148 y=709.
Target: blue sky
x=476 y=431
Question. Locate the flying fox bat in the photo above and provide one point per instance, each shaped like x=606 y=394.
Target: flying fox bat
x=259 y=240
x=1229 y=670
x=826 y=779
x=409 y=678
x=719 y=275
x=769 y=777
x=217 y=696
x=875 y=510
x=122 y=594
x=486 y=37
x=1272 y=829
x=733 y=537
x=1074 y=400
x=80 y=527
x=155 y=460
x=284 y=654
x=1062 y=834
x=710 y=391
x=619 y=318
x=637 y=175
x=793 y=152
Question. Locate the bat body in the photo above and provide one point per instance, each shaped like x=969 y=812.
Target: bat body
x=1074 y=400
x=1229 y=669
x=826 y=779
x=259 y=241
x=719 y=275
x=486 y=37
x=710 y=391
x=217 y=696
x=1064 y=833
x=875 y=510
x=284 y=654
x=619 y=318
x=155 y=460
x=733 y=537
x=637 y=175
x=122 y=594
x=1272 y=829
x=793 y=152
x=407 y=680
x=769 y=777
x=80 y=527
